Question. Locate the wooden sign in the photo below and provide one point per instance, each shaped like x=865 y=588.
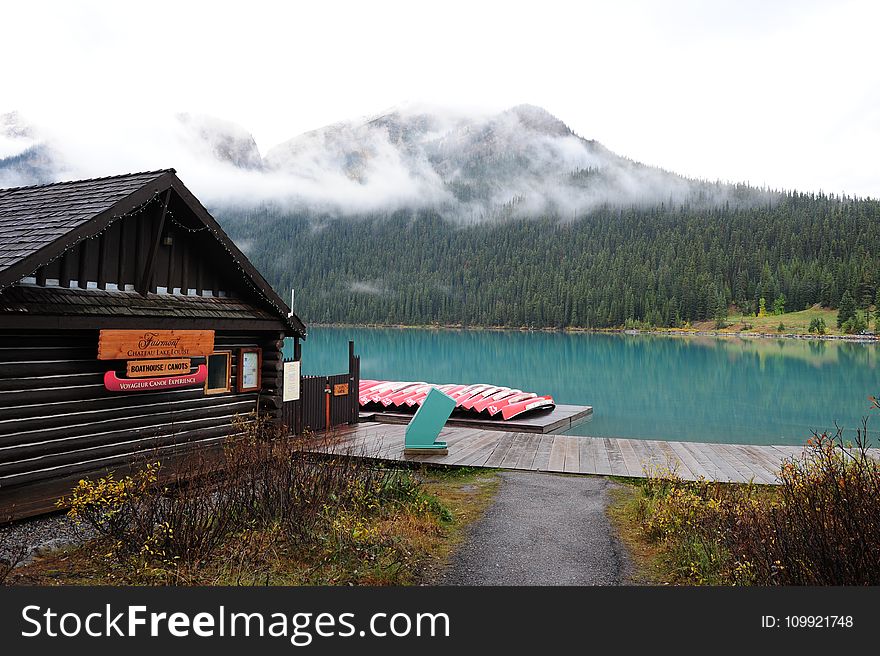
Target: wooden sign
x=115 y=384
x=146 y=368
x=340 y=390
x=143 y=344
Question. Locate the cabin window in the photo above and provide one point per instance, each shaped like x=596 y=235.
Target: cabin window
x=250 y=361
x=219 y=368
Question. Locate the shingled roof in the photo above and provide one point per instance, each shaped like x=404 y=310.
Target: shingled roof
x=39 y=223
x=33 y=217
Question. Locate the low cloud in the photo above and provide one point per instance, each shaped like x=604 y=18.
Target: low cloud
x=367 y=287
x=465 y=165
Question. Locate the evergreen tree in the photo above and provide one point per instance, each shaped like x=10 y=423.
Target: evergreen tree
x=779 y=304
x=664 y=266
x=847 y=309
x=877 y=311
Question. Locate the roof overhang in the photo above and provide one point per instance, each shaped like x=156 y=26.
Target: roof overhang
x=164 y=181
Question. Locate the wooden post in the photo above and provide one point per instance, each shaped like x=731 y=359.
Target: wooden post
x=328 y=392
x=353 y=384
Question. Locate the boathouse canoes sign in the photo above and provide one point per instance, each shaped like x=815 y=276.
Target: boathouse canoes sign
x=158 y=359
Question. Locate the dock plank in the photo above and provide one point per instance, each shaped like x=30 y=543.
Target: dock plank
x=572 y=456
x=631 y=459
x=612 y=448
x=686 y=458
x=748 y=466
x=557 y=454
x=511 y=458
x=668 y=459
x=586 y=457
x=713 y=473
x=771 y=461
x=529 y=451
x=480 y=456
x=600 y=456
x=650 y=460
x=729 y=471
x=480 y=447
x=542 y=457
x=501 y=449
x=477 y=447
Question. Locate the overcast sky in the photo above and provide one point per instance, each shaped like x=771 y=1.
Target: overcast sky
x=785 y=94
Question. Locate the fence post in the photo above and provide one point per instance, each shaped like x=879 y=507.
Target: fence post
x=328 y=394
x=354 y=378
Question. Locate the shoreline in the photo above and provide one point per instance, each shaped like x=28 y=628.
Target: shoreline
x=672 y=332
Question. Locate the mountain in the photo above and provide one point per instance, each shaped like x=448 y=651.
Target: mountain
x=467 y=166
x=24 y=157
x=203 y=145
x=221 y=140
x=426 y=216
x=522 y=162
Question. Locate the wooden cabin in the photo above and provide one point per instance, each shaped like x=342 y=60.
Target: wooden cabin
x=129 y=321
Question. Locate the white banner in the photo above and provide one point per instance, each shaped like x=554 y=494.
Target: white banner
x=291 y=382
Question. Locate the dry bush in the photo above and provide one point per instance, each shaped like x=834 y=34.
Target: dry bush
x=263 y=493
x=824 y=529
x=821 y=526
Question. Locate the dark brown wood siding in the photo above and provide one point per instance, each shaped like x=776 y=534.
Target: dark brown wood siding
x=119 y=255
x=58 y=422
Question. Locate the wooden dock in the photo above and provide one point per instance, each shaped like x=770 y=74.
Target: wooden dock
x=557 y=420
x=569 y=454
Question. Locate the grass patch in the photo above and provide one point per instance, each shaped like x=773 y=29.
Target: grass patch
x=466 y=493
x=623 y=510
x=796 y=323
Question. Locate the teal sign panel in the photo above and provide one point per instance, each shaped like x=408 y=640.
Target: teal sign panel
x=425 y=427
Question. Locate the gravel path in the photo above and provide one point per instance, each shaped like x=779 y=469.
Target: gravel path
x=32 y=537
x=542 y=529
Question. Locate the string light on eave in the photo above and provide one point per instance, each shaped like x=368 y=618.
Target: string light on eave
x=157 y=196
x=113 y=219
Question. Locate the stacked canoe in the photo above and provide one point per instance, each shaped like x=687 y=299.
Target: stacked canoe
x=480 y=400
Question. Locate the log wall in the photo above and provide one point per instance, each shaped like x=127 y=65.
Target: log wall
x=58 y=423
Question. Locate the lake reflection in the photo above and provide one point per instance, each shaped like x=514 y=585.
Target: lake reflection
x=758 y=391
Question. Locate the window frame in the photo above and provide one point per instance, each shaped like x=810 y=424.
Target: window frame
x=219 y=390
x=240 y=372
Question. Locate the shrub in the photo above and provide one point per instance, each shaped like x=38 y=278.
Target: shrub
x=819 y=527
x=824 y=528
x=263 y=491
x=779 y=304
x=855 y=324
x=817 y=325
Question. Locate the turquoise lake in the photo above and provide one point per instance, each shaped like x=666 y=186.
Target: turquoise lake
x=702 y=389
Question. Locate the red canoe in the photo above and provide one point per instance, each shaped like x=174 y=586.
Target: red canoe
x=497 y=401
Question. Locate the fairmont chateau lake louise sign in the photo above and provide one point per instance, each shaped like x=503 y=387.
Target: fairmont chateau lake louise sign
x=143 y=344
